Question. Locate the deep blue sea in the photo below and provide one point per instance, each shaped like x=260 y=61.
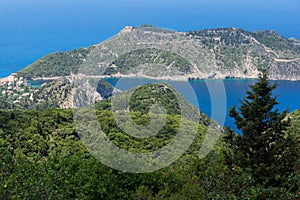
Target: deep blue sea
x=288 y=93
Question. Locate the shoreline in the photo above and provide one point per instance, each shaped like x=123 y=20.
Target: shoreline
x=189 y=77
x=168 y=78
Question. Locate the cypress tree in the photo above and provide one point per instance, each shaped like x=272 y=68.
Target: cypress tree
x=264 y=147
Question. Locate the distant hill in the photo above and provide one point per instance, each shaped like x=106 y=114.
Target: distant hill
x=143 y=97
x=156 y=52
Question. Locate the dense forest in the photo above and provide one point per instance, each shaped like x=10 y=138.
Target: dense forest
x=42 y=156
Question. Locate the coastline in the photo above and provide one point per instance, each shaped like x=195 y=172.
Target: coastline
x=168 y=78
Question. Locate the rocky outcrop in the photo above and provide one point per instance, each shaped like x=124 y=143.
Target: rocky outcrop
x=63 y=93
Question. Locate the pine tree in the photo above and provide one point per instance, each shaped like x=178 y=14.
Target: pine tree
x=264 y=147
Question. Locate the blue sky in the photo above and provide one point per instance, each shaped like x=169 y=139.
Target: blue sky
x=30 y=29
x=280 y=15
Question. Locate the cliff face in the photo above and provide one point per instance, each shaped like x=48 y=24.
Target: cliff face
x=58 y=93
x=63 y=92
x=155 y=52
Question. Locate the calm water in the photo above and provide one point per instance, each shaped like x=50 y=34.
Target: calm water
x=288 y=93
x=37 y=83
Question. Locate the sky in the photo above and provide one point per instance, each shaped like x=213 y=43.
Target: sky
x=30 y=29
x=282 y=16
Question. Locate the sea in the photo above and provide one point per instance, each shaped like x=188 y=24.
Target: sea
x=32 y=29
x=209 y=96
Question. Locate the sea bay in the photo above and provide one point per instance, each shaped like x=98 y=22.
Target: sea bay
x=288 y=93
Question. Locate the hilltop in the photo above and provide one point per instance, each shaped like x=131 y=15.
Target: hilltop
x=160 y=53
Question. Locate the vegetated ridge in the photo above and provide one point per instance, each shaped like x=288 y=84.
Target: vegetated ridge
x=159 y=53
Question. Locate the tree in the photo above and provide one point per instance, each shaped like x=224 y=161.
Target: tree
x=264 y=147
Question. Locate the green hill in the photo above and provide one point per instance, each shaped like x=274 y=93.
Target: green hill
x=42 y=156
x=157 y=52
x=154 y=59
x=57 y=64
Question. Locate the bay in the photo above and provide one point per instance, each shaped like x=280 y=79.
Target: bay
x=37 y=83
x=288 y=93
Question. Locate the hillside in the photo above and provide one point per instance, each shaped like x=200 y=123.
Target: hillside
x=155 y=52
x=62 y=93
x=57 y=64
x=49 y=154
x=143 y=97
x=43 y=157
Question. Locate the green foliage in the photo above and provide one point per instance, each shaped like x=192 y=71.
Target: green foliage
x=152 y=94
x=228 y=36
x=128 y=62
x=143 y=97
x=264 y=148
x=42 y=157
x=52 y=94
x=57 y=64
x=276 y=42
x=232 y=48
